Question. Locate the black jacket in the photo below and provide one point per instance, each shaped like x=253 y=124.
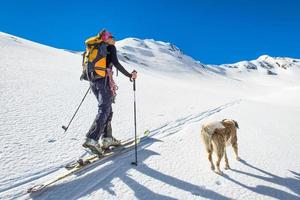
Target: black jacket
x=112 y=59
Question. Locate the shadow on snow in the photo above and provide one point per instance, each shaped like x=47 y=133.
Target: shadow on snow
x=101 y=179
x=292 y=184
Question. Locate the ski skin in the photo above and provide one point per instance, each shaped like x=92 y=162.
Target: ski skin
x=124 y=149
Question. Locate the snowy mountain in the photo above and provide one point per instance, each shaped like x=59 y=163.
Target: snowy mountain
x=149 y=51
x=40 y=90
x=268 y=65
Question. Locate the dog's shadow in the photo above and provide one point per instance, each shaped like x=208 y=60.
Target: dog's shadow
x=291 y=183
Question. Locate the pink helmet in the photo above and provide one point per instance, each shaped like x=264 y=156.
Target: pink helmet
x=105 y=35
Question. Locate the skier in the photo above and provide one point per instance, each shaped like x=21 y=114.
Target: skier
x=104 y=88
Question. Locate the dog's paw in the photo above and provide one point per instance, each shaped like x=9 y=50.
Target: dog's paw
x=212 y=167
x=219 y=172
x=238 y=158
x=227 y=167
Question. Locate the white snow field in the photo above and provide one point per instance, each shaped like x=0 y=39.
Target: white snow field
x=40 y=90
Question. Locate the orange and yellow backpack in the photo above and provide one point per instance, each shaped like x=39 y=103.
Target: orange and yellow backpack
x=94 y=59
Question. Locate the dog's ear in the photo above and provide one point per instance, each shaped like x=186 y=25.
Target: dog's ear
x=236 y=124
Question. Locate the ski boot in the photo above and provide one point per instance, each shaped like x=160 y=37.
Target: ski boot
x=94 y=146
x=110 y=141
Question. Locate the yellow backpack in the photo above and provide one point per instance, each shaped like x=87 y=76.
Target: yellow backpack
x=94 y=59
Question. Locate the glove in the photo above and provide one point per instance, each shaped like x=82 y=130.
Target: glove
x=133 y=75
x=82 y=76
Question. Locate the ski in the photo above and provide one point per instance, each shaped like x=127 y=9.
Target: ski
x=87 y=160
x=82 y=164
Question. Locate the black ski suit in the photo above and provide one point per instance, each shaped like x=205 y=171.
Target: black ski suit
x=101 y=89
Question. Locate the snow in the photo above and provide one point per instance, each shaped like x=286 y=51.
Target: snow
x=40 y=90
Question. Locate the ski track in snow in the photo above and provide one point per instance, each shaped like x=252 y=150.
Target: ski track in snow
x=107 y=171
x=177 y=125
x=158 y=133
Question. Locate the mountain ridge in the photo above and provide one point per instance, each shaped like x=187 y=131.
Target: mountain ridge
x=165 y=56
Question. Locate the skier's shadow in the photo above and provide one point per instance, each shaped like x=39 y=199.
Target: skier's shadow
x=292 y=184
x=119 y=170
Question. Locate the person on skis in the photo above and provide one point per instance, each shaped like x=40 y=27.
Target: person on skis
x=103 y=87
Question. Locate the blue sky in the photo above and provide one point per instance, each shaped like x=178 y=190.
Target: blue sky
x=211 y=31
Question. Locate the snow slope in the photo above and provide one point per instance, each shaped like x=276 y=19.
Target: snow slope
x=40 y=90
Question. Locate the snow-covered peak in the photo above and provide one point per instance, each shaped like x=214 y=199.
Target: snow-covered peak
x=264 y=64
x=156 y=56
x=136 y=45
x=283 y=62
x=147 y=43
x=264 y=57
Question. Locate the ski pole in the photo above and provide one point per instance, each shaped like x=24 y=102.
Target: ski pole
x=134 y=105
x=66 y=128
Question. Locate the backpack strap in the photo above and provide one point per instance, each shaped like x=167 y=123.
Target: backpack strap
x=93 y=40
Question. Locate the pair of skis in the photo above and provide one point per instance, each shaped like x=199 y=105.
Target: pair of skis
x=83 y=163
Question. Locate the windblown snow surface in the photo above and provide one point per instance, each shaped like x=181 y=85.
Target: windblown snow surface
x=40 y=90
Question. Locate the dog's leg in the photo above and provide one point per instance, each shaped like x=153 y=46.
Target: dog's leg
x=220 y=153
x=208 y=146
x=212 y=166
x=235 y=149
x=226 y=160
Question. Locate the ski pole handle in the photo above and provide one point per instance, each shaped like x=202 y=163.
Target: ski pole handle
x=131 y=79
x=134 y=88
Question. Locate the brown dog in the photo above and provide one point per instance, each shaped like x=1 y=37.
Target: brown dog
x=216 y=136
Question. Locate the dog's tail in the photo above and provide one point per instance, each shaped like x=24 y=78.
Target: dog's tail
x=206 y=138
